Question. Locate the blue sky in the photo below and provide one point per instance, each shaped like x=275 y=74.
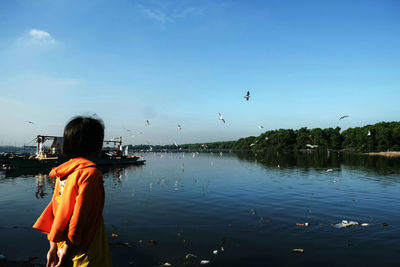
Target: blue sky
x=306 y=63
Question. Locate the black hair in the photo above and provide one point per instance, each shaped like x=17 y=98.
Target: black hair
x=83 y=137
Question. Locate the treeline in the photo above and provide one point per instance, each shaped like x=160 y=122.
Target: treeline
x=378 y=137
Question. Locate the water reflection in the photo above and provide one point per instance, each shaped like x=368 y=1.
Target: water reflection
x=323 y=161
x=241 y=202
x=41 y=185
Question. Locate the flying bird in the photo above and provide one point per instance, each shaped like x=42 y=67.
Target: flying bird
x=127 y=130
x=30 y=122
x=343 y=117
x=247 y=96
x=147 y=122
x=312 y=146
x=220 y=117
x=260 y=127
x=179 y=127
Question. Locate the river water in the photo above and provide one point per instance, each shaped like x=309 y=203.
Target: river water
x=232 y=209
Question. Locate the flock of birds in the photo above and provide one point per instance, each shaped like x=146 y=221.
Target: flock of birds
x=247 y=97
x=220 y=117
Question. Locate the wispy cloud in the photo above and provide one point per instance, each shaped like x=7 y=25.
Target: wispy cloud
x=167 y=13
x=157 y=15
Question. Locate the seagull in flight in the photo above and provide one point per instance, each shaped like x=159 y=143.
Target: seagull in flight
x=343 y=117
x=30 y=122
x=247 y=96
x=220 y=117
x=260 y=127
x=179 y=127
x=147 y=122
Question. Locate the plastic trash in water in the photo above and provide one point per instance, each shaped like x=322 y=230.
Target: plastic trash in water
x=190 y=256
x=215 y=252
x=303 y=224
x=345 y=223
x=364 y=224
x=167 y=264
x=299 y=250
x=204 y=262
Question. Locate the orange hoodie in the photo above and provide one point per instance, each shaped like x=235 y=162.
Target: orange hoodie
x=77 y=204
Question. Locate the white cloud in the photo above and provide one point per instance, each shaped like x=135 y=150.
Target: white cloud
x=36 y=38
x=41 y=36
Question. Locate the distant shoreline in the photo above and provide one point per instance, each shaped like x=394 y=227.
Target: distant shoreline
x=385 y=154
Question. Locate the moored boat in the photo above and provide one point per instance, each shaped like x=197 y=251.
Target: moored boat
x=51 y=157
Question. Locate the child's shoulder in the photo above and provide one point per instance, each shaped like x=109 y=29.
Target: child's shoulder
x=88 y=173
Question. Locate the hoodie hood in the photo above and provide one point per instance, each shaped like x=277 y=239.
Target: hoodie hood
x=70 y=166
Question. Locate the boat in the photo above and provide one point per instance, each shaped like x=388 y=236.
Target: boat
x=52 y=157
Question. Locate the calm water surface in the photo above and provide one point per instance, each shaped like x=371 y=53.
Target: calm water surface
x=247 y=204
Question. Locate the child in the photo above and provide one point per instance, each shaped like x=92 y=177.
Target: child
x=73 y=220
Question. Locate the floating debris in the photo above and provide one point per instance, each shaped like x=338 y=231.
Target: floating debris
x=190 y=256
x=114 y=235
x=303 y=224
x=126 y=244
x=364 y=224
x=205 y=262
x=384 y=224
x=222 y=248
x=152 y=242
x=345 y=223
x=253 y=211
x=299 y=250
x=329 y=170
x=167 y=264
x=215 y=252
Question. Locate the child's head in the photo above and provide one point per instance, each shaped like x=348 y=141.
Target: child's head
x=83 y=137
